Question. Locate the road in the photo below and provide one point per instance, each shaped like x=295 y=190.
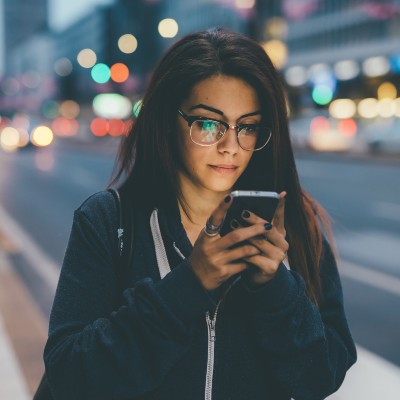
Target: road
x=41 y=188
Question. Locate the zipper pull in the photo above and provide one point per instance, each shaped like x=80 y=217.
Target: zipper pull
x=212 y=330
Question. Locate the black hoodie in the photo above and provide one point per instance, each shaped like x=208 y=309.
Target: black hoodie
x=168 y=338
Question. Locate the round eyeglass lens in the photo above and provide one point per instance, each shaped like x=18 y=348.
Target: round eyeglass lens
x=253 y=137
x=205 y=132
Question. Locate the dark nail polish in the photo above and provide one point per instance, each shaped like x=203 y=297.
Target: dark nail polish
x=234 y=224
x=245 y=214
x=227 y=199
x=268 y=226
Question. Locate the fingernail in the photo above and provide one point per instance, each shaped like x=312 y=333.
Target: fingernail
x=245 y=214
x=234 y=224
x=268 y=226
x=227 y=198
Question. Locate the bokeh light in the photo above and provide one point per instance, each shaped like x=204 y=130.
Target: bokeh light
x=277 y=52
x=31 y=79
x=376 y=66
x=368 y=108
x=63 y=67
x=397 y=105
x=387 y=90
x=65 y=127
x=296 y=76
x=10 y=86
x=112 y=105
x=9 y=139
x=168 y=28
x=87 y=58
x=347 y=127
x=127 y=43
x=245 y=4
x=319 y=125
x=21 y=121
x=342 y=108
x=346 y=69
x=23 y=137
x=69 y=109
x=116 y=127
x=386 y=108
x=99 y=126
x=119 y=72
x=322 y=94
x=42 y=136
x=101 y=73
x=277 y=28
x=50 y=109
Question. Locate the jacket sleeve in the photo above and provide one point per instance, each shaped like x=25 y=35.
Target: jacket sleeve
x=308 y=349
x=97 y=350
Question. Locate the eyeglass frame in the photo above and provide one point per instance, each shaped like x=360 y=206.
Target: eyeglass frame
x=191 y=119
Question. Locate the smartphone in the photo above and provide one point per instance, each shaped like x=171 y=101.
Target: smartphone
x=263 y=204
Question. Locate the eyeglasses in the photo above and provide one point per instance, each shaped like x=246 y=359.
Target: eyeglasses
x=207 y=132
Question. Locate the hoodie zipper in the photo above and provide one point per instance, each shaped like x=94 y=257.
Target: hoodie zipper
x=211 y=322
x=211 y=348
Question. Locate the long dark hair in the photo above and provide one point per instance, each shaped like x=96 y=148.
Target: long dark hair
x=148 y=160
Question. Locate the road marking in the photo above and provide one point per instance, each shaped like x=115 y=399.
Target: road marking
x=41 y=263
x=371 y=247
x=12 y=382
x=371 y=378
x=380 y=280
x=386 y=210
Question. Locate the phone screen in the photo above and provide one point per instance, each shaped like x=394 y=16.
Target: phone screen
x=263 y=204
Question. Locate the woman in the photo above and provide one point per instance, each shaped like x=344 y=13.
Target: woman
x=203 y=316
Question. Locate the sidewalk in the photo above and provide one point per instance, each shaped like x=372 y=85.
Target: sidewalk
x=23 y=332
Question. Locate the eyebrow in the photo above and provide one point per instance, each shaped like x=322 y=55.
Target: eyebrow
x=214 y=110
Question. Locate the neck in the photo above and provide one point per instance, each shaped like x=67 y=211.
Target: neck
x=199 y=202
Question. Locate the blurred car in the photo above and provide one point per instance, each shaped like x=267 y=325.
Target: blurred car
x=383 y=135
x=321 y=133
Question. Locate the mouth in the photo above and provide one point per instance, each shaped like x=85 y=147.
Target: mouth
x=225 y=169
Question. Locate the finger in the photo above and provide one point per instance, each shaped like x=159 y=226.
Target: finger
x=237 y=267
x=217 y=217
x=252 y=218
x=279 y=218
x=240 y=235
x=275 y=246
x=239 y=253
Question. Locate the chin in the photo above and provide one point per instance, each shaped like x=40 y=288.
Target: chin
x=219 y=186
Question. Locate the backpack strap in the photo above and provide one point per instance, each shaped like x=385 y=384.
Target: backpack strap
x=125 y=235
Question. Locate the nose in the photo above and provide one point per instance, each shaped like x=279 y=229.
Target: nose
x=229 y=143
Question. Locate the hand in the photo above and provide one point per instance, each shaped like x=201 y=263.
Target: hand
x=213 y=259
x=272 y=245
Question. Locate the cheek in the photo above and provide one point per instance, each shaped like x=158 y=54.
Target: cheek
x=247 y=157
x=194 y=157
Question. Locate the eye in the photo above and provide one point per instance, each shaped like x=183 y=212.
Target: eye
x=249 y=129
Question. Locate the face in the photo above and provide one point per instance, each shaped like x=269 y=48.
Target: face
x=216 y=168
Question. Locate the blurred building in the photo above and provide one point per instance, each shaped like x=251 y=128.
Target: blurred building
x=22 y=20
x=28 y=48
x=198 y=15
x=347 y=46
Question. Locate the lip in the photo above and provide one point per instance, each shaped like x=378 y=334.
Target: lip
x=224 y=168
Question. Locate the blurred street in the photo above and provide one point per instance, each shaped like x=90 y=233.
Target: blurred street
x=41 y=188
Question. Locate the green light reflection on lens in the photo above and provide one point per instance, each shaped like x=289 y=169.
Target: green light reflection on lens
x=136 y=108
